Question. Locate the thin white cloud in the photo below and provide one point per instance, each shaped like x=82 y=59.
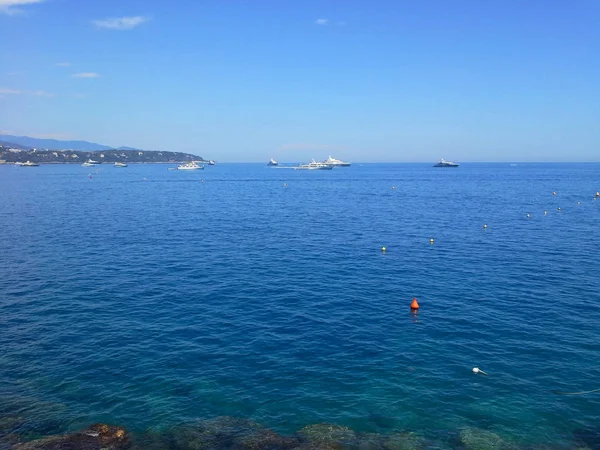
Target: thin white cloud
x=322 y=21
x=11 y=7
x=121 y=23
x=7 y=91
x=42 y=94
x=86 y=75
x=63 y=64
x=39 y=93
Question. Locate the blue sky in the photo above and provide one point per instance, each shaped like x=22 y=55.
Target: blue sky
x=470 y=80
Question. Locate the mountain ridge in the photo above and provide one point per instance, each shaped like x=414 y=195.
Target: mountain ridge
x=57 y=144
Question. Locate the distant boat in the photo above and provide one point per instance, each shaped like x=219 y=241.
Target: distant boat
x=314 y=165
x=90 y=162
x=190 y=166
x=442 y=163
x=336 y=162
x=272 y=162
x=211 y=163
x=120 y=164
x=28 y=164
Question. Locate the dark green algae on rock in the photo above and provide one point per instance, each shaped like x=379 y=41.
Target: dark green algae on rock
x=96 y=437
x=225 y=433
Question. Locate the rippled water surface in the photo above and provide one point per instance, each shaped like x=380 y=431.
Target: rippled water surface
x=147 y=297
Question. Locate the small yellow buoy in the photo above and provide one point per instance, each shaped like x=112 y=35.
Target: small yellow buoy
x=383 y=249
x=431 y=241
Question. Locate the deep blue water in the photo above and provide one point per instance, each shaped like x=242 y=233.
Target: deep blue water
x=147 y=297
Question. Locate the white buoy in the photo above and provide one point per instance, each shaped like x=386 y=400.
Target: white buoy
x=478 y=370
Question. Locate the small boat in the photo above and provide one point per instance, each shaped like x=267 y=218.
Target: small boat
x=29 y=164
x=120 y=164
x=90 y=162
x=336 y=162
x=442 y=163
x=190 y=166
x=314 y=165
x=211 y=163
x=272 y=162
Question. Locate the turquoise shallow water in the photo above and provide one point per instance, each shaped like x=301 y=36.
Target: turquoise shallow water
x=147 y=297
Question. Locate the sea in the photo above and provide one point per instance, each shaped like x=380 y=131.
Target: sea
x=150 y=298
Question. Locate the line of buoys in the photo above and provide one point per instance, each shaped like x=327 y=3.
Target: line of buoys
x=414 y=305
x=478 y=370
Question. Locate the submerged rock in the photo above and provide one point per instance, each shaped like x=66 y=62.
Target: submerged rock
x=228 y=433
x=403 y=441
x=326 y=436
x=96 y=437
x=478 y=439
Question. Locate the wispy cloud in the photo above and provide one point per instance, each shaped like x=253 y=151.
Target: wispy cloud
x=7 y=91
x=63 y=64
x=322 y=21
x=39 y=93
x=42 y=94
x=11 y=7
x=86 y=75
x=121 y=23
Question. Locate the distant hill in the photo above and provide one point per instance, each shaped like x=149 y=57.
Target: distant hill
x=55 y=144
x=102 y=156
x=128 y=148
x=12 y=145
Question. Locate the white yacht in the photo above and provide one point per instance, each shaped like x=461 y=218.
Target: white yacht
x=29 y=164
x=443 y=163
x=272 y=162
x=90 y=162
x=120 y=164
x=336 y=162
x=190 y=166
x=314 y=165
x=211 y=163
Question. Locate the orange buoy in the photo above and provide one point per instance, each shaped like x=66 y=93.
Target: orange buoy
x=414 y=305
